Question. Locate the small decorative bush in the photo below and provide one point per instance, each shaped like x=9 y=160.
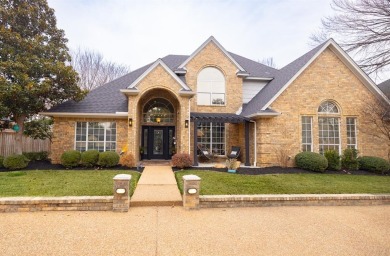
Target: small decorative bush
x=349 y=159
x=15 y=162
x=89 y=158
x=127 y=160
x=311 y=161
x=108 y=159
x=181 y=160
x=70 y=158
x=374 y=164
x=36 y=156
x=1 y=161
x=333 y=158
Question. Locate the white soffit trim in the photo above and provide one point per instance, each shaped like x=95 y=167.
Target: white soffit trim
x=84 y=115
x=129 y=92
x=211 y=39
x=362 y=76
x=258 y=78
x=296 y=75
x=264 y=115
x=347 y=60
x=155 y=64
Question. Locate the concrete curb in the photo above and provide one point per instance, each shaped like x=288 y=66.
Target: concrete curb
x=219 y=201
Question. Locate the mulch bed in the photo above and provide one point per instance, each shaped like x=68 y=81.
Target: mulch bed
x=46 y=165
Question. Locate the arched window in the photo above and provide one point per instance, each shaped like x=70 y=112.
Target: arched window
x=329 y=127
x=158 y=110
x=328 y=107
x=211 y=87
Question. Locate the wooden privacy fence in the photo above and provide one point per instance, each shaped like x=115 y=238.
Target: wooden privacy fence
x=7 y=144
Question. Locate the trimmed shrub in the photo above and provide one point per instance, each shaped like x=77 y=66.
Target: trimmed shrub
x=311 y=161
x=36 y=156
x=181 y=160
x=349 y=159
x=127 y=160
x=70 y=158
x=89 y=158
x=108 y=159
x=15 y=162
x=1 y=161
x=374 y=164
x=333 y=158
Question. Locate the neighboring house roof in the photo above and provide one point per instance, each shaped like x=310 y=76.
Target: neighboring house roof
x=385 y=87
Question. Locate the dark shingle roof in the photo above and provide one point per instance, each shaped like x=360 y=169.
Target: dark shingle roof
x=280 y=79
x=385 y=88
x=108 y=98
x=254 y=68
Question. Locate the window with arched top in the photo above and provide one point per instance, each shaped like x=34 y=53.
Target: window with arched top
x=159 y=111
x=211 y=87
x=328 y=107
x=329 y=127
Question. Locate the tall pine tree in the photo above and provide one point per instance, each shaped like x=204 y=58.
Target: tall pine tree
x=34 y=62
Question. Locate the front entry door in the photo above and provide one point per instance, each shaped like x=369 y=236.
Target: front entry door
x=158 y=142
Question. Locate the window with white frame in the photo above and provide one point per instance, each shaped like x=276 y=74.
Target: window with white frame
x=307 y=137
x=211 y=137
x=211 y=87
x=351 y=133
x=328 y=127
x=100 y=136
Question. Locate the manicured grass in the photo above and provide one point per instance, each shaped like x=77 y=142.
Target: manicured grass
x=218 y=183
x=61 y=183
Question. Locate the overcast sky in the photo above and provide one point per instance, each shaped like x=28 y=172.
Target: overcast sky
x=136 y=33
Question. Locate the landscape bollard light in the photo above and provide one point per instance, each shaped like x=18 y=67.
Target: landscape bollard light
x=191 y=189
x=121 y=202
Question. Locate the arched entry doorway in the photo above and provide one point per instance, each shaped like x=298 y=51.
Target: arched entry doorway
x=158 y=129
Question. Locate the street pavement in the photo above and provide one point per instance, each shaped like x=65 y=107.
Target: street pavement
x=311 y=230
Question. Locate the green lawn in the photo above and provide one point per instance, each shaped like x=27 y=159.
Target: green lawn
x=61 y=183
x=218 y=183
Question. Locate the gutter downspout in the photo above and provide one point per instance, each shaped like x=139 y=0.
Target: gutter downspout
x=255 y=146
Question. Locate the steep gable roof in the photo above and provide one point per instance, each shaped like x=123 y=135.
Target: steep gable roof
x=213 y=40
x=290 y=72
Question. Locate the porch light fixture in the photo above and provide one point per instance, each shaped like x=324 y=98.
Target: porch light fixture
x=130 y=122
x=158 y=120
x=186 y=123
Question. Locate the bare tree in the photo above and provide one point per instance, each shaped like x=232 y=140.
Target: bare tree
x=361 y=27
x=93 y=70
x=378 y=114
x=268 y=62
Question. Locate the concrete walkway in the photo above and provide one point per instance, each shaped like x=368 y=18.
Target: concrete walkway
x=156 y=187
x=314 y=230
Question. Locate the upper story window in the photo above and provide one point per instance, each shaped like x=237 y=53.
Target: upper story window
x=158 y=111
x=211 y=87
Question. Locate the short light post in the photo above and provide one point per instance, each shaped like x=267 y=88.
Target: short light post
x=121 y=202
x=191 y=189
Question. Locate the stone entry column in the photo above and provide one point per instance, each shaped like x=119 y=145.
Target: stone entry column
x=121 y=201
x=191 y=189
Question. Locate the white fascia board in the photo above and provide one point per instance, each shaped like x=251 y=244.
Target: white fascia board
x=347 y=60
x=186 y=93
x=84 y=115
x=130 y=92
x=264 y=115
x=362 y=76
x=296 y=75
x=211 y=38
x=259 y=78
x=180 y=72
x=155 y=64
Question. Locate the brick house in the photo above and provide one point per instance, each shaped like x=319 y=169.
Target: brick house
x=217 y=99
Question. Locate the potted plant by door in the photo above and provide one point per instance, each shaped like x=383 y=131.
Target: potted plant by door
x=231 y=164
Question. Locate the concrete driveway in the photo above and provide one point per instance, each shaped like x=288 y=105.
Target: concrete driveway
x=339 y=230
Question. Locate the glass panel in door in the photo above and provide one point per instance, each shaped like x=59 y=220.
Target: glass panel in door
x=158 y=148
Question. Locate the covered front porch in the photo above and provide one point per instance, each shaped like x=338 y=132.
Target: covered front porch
x=218 y=154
